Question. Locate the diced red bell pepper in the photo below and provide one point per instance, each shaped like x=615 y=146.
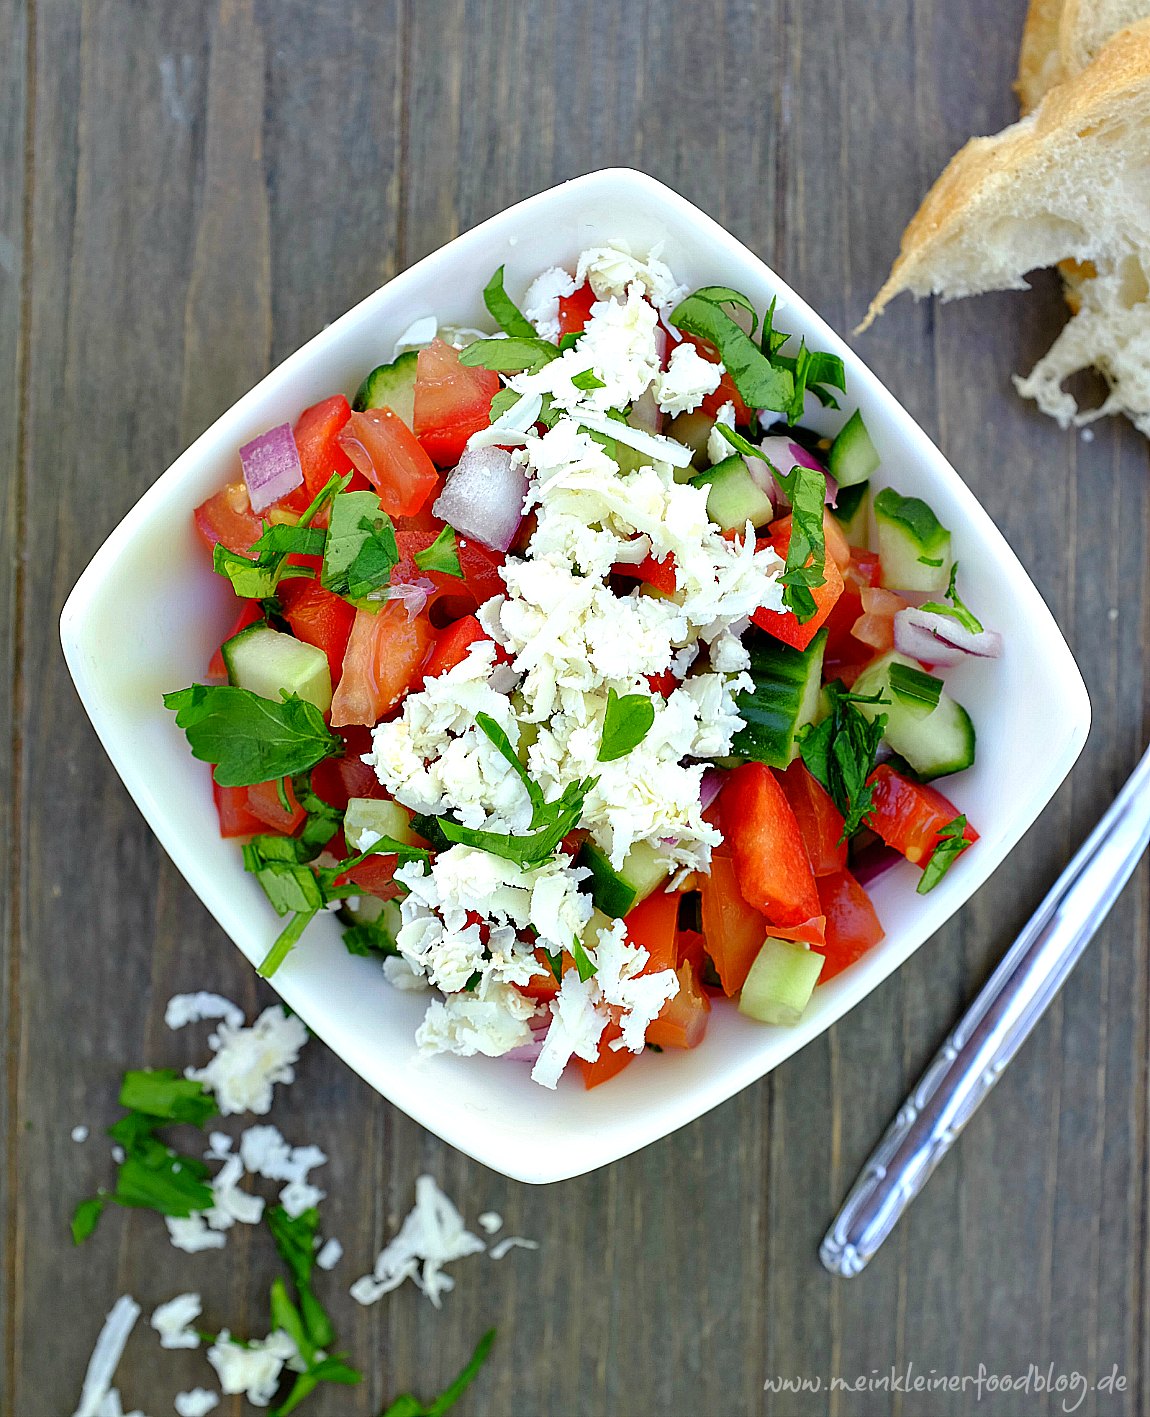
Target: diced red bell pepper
x=771 y=864
x=390 y=456
x=227 y=518
x=236 y=817
x=820 y=821
x=575 y=310
x=662 y=575
x=250 y=612
x=863 y=569
x=784 y=624
x=482 y=569
x=264 y=803
x=376 y=875
x=734 y=930
x=682 y=1021
x=452 y=401
x=452 y=645
x=544 y=987
x=909 y=815
x=690 y=948
x=337 y=780
x=652 y=926
x=319 y=618
x=316 y=436
x=663 y=684
x=852 y=925
x=385 y=654
x=609 y=1063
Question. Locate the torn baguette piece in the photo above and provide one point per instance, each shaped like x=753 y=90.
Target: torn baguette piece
x=1061 y=37
x=1069 y=182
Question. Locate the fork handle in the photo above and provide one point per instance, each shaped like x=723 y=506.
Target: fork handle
x=993 y=1029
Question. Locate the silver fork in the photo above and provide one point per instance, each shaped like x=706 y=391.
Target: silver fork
x=993 y=1029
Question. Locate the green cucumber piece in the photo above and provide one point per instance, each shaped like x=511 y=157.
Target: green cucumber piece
x=784 y=700
x=693 y=430
x=616 y=892
x=391 y=386
x=734 y=498
x=913 y=545
x=781 y=982
x=273 y=664
x=852 y=512
x=369 y=818
x=933 y=744
x=852 y=457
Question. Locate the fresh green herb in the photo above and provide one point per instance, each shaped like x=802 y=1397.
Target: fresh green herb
x=441 y=555
x=582 y=963
x=322 y=820
x=256 y=577
x=806 y=552
x=282 y=795
x=588 y=380
x=724 y=295
x=502 y=403
x=952 y=843
x=626 y=723
x=504 y=311
x=759 y=382
x=409 y=1406
x=360 y=551
x=86 y=1217
x=289 y=884
x=772 y=340
x=569 y=340
x=743 y=445
x=250 y=739
x=509 y=356
x=371 y=938
x=552 y=824
x=916 y=689
x=956 y=609
x=813 y=370
x=555 y=960
x=167 y=1095
x=840 y=752
x=496 y=735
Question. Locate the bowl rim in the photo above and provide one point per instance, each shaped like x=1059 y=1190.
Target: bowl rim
x=538 y=1166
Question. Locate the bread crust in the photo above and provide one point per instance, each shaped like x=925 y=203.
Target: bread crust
x=1040 y=55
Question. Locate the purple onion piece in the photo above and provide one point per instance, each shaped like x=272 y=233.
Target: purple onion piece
x=873 y=861
x=413 y=594
x=710 y=785
x=941 y=639
x=271 y=466
x=529 y=1052
x=483 y=497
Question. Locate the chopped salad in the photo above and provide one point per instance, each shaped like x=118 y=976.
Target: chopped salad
x=582 y=679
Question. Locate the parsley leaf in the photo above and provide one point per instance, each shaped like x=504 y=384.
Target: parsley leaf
x=86 y=1217
x=492 y=730
x=840 y=753
x=626 y=723
x=551 y=825
x=248 y=738
x=583 y=962
x=724 y=295
x=502 y=403
x=360 y=550
x=370 y=938
x=441 y=555
x=759 y=382
x=256 y=577
x=806 y=553
x=587 y=380
x=166 y=1094
x=409 y=1406
x=812 y=369
x=956 y=609
x=952 y=843
x=504 y=311
x=520 y=354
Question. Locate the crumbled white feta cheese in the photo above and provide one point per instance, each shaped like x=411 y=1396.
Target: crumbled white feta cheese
x=298 y=1196
x=265 y=1153
x=622 y=984
x=183 y=1009
x=329 y=1254
x=191 y=1233
x=612 y=268
x=197 y=1402
x=576 y=1026
x=254 y=1370
x=490 y=1222
x=173 y=1321
x=80 y=1133
x=230 y=1204
x=541 y=303
x=432 y=1235
x=686 y=381
x=465 y=1024
x=717 y=446
x=249 y=1061
x=106 y=1355
x=400 y=975
x=511 y=1242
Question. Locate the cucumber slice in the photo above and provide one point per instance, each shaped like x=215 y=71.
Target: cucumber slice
x=784 y=700
x=913 y=545
x=852 y=512
x=369 y=818
x=781 y=982
x=852 y=457
x=933 y=744
x=391 y=386
x=734 y=498
x=616 y=892
x=272 y=664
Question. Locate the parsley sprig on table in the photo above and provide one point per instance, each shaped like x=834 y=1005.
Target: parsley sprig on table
x=409 y=1406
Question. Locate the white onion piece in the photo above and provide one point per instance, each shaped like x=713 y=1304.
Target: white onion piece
x=941 y=639
x=512 y=426
x=271 y=466
x=483 y=497
x=413 y=594
x=419 y=333
x=656 y=447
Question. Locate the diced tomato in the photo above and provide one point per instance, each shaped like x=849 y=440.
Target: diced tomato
x=727 y=393
x=390 y=456
x=609 y=1063
x=452 y=401
x=662 y=575
x=385 y=653
x=682 y=1021
x=236 y=817
x=863 y=569
x=652 y=926
x=319 y=618
x=852 y=925
x=875 y=625
x=264 y=803
x=784 y=625
x=820 y=821
x=734 y=930
x=376 y=875
x=227 y=518
x=766 y=846
x=836 y=542
x=316 y=436
x=664 y=684
x=452 y=645
x=690 y=947
x=845 y=655
x=909 y=815
x=544 y=986
x=575 y=310
x=482 y=569
x=250 y=612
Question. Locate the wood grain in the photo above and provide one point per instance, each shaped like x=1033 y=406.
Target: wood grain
x=207 y=185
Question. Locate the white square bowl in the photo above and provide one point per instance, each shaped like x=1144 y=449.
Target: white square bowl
x=147 y=613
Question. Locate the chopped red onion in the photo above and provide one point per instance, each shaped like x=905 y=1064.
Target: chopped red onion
x=413 y=594
x=941 y=639
x=785 y=453
x=710 y=785
x=646 y=413
x=271 y=466
x=874 y=861
x=483 y=497
x=529 y=1052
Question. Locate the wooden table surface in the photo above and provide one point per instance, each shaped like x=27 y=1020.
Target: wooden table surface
x=187 y=193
